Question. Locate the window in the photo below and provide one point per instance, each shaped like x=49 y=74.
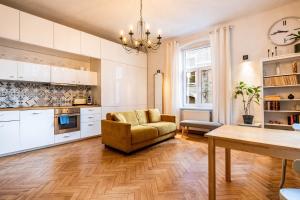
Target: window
x=197 y=77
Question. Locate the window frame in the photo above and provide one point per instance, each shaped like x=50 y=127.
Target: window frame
x=198 y=79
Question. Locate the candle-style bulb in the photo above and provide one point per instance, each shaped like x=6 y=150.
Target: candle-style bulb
x=122 y=33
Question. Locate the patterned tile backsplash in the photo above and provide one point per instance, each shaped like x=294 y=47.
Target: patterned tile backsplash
x=26 y=94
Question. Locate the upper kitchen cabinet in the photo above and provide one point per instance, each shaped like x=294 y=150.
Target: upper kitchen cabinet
x=87 y=78
x=90 y=45
x=115 y=52
x=66 y=39
x=33 y=72
x=36 y=30
x=8 y=69
x=62 y=75
x=9 y=23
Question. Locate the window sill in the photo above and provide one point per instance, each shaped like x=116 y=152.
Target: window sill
x=197 y=108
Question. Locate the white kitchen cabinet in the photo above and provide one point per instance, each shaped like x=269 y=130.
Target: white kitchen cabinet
x=87 y=78
x=9 y=22
x=36 y=128
x=9 y=137
x=63 y=75
x=66 y=39
x=90 y=45
x=36 y=30
x=90 y=121
x=33 y=72
x=8 y=69
x=112 y=75
x=6 y=116
x=66 y=137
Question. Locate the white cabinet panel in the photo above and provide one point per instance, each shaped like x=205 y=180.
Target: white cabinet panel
x=112 y=75
x=90 y=129
x=67 y=137
x=66 y=39
x=33 y=72
x=36 y=30
x=91 y=118
x=90 y=111
x=36 y=128
x=87 y=78
x=6 y=116
x=90 y=45
x=9 y=22
x=141 y=89
x=63 y=75
x=9 y=137
x=8 y=69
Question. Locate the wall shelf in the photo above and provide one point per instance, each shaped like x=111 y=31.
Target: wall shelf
x=283 y=66
x=281 y=86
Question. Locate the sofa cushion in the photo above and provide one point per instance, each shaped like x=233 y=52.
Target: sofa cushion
x=154 y=115
x=163 y=127
x=118 y=117
x=142 y=116
x=130 y=118
x=143 y=133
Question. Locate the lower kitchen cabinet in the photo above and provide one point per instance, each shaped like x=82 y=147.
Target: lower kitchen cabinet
x=65 y=137
x=9 y=137
x=36 y=128
x=90 y=121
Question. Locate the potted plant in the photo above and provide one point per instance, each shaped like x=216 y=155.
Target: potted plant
x=249 y=95
x=296 y=37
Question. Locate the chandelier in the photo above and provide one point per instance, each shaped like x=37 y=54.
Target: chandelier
x=142 y=41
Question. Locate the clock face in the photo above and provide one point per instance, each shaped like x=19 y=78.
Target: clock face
x=281 y=31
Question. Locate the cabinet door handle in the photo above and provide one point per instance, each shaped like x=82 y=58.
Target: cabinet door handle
x=36 y=113
x=21 y=77
x=91 y=125
x=11 y=76
x=91 y=117
x=66 y=136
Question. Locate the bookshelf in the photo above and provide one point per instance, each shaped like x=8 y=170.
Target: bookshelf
x=280 y=79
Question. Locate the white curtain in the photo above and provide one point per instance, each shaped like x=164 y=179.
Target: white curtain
x=172 y=80
x=220 y=40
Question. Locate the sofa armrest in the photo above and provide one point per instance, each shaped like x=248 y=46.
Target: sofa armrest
x=168 y=118
x=116 y=134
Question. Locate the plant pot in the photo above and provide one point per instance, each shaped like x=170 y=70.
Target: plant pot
x=297 y=48
x=248 y=119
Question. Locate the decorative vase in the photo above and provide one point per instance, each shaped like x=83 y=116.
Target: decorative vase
x=248 y=119
x=297 y=48
x=291 y=96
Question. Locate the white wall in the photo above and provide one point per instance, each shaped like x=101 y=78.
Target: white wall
x=249 y=37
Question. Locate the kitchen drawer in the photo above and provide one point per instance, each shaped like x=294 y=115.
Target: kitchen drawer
x=9 y=116
x=37 y=115
x=91 y=110
x=90 y=129
x=66 y=137
x=91 y=118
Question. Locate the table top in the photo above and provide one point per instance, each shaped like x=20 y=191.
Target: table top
x=258 y=136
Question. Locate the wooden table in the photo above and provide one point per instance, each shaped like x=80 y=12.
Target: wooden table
x=270 y=142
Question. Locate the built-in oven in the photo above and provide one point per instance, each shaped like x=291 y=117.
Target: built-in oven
x=66 y=120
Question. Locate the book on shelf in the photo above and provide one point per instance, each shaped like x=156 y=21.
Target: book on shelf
x=293 y=119
x=281 y=80
x=272 y=98
x=272 y=105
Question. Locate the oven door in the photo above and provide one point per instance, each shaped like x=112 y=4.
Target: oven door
x=72 y=126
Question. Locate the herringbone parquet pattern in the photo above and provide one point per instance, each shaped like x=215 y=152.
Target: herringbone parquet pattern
x=175 y=169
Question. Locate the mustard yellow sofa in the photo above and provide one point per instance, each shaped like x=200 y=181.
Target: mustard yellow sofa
x=129 y=131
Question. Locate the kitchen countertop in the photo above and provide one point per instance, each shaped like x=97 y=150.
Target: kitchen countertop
x=45 y=107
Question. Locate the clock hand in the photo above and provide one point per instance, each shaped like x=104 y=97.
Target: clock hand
x=279 y=31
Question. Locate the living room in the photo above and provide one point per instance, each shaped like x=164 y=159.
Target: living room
x=147 y=99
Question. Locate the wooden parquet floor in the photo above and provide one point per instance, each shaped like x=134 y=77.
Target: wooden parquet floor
x=175 y=169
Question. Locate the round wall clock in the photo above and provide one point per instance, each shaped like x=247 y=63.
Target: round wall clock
x=280 y=33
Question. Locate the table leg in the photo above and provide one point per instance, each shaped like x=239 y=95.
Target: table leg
x=182 y=131
x=211 y=169
x=227 y=165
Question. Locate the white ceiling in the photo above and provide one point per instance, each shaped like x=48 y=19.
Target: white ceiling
x=174 y=17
